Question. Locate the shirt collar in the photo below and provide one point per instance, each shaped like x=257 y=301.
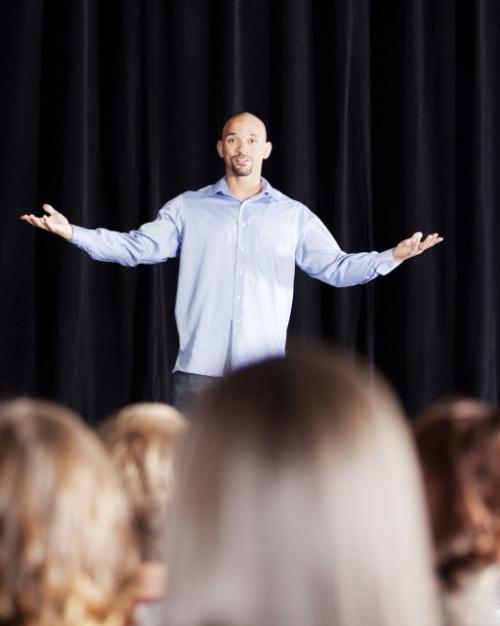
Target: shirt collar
x=221 y=188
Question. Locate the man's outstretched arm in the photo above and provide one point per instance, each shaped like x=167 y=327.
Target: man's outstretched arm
x=320 y=256
x=153 y=242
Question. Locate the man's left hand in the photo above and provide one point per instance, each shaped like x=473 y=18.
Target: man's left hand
x=414 y=246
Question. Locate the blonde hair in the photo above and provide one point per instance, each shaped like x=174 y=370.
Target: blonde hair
x=142 y=439
x=67 y=556
x=300 y=502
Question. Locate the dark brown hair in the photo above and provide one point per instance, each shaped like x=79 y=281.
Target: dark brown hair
x=459 y=445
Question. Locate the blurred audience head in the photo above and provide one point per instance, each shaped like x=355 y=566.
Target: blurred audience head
x=458 y=441
x=299 y=502
x=142 y=439
x=67 y=553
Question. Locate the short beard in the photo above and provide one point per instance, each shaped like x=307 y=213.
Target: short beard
x=245 y=170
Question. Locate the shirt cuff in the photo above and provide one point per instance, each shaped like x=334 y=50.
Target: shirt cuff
x=386 y=262
x=81 y=236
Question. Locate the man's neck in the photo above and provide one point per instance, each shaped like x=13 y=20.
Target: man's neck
x=244 y=187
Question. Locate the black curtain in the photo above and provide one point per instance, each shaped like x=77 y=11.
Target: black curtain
x=384 y=119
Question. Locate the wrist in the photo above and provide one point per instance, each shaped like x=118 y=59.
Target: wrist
x=397 y=256
x=67 y=233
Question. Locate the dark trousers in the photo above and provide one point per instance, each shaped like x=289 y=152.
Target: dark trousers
x=187 y=390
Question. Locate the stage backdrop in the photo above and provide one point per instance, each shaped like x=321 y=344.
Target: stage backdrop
x=384 y=119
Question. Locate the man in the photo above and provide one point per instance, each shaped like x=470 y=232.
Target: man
x=238 y=242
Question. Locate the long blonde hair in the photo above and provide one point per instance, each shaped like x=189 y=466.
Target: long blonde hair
x=67 y=555
x=299 y=503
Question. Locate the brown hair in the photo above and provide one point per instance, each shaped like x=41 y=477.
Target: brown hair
x=67 y=556
x=142 y=439
x=300 y=503
x=459 y=444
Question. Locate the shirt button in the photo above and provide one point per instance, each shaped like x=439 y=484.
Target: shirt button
x=237 y=321
x=243 y=224
x=242 y=248
x=238 y=297
x=240 y=272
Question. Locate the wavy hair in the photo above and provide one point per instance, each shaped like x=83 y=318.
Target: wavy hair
x=67 y=553
x=142 y=439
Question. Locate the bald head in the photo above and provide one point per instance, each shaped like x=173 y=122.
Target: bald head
x=250 y=120
x=244 y=146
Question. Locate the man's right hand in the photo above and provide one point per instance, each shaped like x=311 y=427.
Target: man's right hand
x=54 y=222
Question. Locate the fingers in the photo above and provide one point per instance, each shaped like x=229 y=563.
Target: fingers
x=414 y=245
x=416 y=238
x=38 y=222
x=48 y=225
x=413 y=242
x=429 y=241
x=41 y=222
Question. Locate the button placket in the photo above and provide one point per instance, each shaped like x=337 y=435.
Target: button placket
x=238 y=278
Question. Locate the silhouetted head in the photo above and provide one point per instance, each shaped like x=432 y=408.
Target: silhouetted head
x=299 y=502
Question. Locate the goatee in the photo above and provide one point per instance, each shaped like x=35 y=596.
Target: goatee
x=242 y=170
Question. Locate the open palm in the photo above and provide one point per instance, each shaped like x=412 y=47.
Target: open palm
x=415 y=245
x=54 y=222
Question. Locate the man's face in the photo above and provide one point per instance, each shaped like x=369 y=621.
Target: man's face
x=243 y=145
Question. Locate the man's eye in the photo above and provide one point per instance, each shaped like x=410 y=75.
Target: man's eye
x=251 y=141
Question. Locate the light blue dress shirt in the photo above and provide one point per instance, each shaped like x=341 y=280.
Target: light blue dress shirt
x=236 y=272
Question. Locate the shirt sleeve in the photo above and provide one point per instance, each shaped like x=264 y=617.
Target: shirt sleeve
x=320 y=256
x=153 y=242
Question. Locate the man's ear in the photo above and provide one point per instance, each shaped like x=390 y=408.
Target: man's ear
x=219 y=149
x=267 y=149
